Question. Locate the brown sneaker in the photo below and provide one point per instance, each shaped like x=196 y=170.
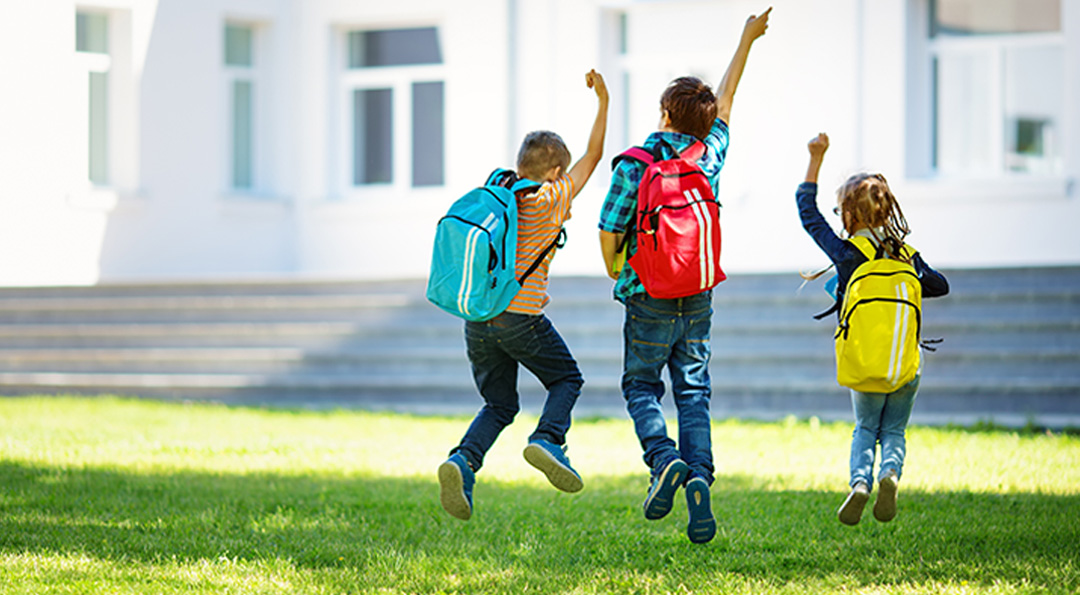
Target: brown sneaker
x=885 y=505
x=851 y=510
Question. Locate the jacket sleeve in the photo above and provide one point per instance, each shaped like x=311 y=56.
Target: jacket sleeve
x=814 y=224
x=934 y=284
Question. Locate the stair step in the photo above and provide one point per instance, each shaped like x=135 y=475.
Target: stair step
x=1011 y=350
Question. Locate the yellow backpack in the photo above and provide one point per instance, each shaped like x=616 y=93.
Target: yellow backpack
x=877 y=338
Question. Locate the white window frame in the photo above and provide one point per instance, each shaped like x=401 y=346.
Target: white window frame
x=262 y=152
x=121 y=177
x=399 y=79
x=922 y=112
x=994 y=49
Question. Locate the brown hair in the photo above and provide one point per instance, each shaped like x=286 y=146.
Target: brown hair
x=866 y=201
x=540 y=151
x=690 y=104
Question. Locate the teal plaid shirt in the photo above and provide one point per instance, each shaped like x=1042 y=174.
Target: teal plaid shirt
x=617 y=214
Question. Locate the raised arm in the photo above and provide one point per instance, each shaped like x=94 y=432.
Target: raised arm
x=755 y=27
x=817 y=147
x=583 y=169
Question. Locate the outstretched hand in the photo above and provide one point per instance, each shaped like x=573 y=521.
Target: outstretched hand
x=818 y=145
x=756 y=25
x=596 y=82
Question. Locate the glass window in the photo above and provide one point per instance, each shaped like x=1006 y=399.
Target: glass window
x=242 y=134
x=997 y=69
x=238 y=46
x=395 y=97
x=241 y=75
x=989 y=17
x=427 y=134
x=373 y=136
x=92 y=32
x=394 y=47
x=99 y=121
x=92 y=43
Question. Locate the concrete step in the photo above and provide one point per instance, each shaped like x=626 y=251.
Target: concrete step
x=1011 y=351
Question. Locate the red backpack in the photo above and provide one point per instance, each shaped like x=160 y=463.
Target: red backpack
x=677 y=225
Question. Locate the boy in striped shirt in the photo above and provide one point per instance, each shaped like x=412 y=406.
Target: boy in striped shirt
x=523 y=335
x=673 y=332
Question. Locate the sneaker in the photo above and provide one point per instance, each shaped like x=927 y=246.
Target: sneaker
x=456 y=481
x=662 y=491
x=851 y=511
x=885 y=505
x=702 y=526
x=552 y=460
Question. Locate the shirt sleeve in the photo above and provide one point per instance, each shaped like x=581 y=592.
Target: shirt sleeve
x=718 y=140
x=618 y=208
x=558 y=196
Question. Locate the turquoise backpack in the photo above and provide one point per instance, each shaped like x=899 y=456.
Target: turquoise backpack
x=473 y=263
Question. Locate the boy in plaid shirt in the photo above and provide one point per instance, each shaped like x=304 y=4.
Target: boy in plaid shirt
x=673 y=332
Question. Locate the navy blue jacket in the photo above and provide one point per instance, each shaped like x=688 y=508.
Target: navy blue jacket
x=846 y=256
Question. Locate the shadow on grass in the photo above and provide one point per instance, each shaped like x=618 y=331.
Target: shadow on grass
x=389 y=531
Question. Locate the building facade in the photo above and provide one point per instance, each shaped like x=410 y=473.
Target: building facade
x=147 y=140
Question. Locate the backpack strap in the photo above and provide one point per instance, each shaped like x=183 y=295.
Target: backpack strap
x=558 y=242
x=636 y=154
x=871 y=252
x=693 y=152
x=865 y=246
x=508 y=178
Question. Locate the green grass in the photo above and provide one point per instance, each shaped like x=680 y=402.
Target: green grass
x=125 y=496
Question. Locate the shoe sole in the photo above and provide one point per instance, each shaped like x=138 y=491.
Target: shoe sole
x=658 y=503
x=885 y=505
x=452 y=491
x=850 y=512
x=558 y=474
x=702 y=526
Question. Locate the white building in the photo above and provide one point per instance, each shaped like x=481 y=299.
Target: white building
x=209 y=139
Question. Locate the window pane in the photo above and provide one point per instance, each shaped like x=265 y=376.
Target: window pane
x=99 y=138
x=1034 y=106
x=394 y=47
x=242 y=134
x=982 y=17
x=427 y=134
x=238 y=45
x=963 y=117
x=372 y=136
x=92 y=32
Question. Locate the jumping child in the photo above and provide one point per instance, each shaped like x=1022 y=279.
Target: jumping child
x=868 y=209
x=523 y=335
x=673 y=333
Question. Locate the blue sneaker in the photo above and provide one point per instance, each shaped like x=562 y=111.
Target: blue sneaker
x=552 y=460
x=456 y=481
x=702 y=526
x=662 y=491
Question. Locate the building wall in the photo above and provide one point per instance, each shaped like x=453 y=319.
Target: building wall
x=856 y=69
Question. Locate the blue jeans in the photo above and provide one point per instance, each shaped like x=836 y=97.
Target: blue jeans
x=880 y=418
x=496 y=347
x=672 y=333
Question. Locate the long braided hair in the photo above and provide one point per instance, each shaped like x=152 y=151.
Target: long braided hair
x=865 y=200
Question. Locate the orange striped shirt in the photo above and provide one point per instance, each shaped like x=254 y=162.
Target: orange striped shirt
x=540 y=217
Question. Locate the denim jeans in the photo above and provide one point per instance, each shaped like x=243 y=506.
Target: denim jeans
x=496 y=347
x=880 y=418
x=672 y=333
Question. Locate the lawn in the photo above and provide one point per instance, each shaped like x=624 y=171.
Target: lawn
x=128 y=496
